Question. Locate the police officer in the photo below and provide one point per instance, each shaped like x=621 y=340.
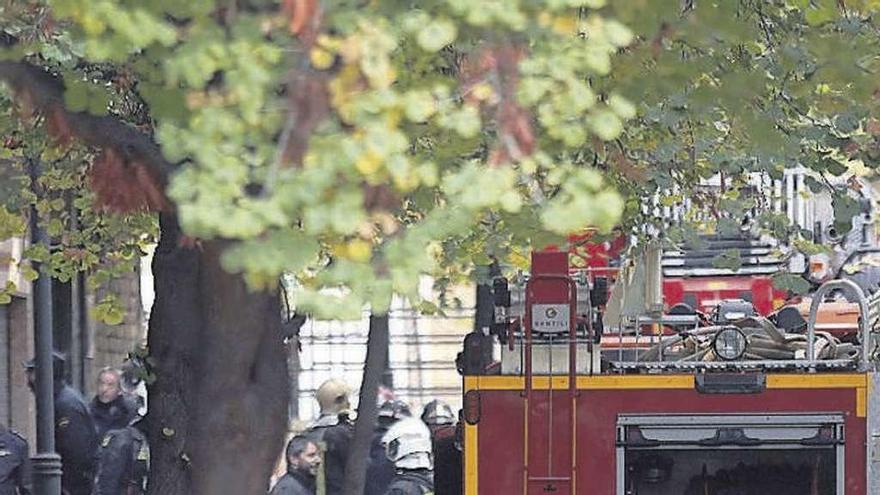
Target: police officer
x=408 y=446
x=303 y=463
x=15 y=463
x=123 y=462
x=111 y=409
x=332 y=432
x=440 y=419
x=75 y=437
x=380 y=470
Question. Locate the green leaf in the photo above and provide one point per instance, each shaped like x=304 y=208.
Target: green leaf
x=28 y=272
x=113 y=317
x=55 y=227
x=437 y=34
x=76 y=96
x=818 y=12
x=419 y=105
x=109 y=311
x=607 y=125
x=846 y=122
x=622 y=107
x=98 y=102
x=11 y=224
x=415 y=20
x=845 y=208
x=618 y=34
x=729 y=259
x=466 y=122
x=532 y=89
x=429 y=308
x=790 y=282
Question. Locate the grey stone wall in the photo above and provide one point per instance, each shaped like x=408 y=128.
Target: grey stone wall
x=110 y=344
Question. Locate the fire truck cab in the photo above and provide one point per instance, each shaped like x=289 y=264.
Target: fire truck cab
x=571 y=406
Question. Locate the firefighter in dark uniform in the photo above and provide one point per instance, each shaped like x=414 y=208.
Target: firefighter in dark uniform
x=440 y=419
x=332 y=432
x=123 y=462
x=380 y=470
x=303 y=463
x=15 y=463
x=408 y=446
x=75 y=437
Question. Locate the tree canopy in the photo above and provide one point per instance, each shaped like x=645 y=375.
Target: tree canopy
x=359 y=146
x=343 y=145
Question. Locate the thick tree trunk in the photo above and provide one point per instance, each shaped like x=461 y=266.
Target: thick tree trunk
x=218 y=407
x=365 y=424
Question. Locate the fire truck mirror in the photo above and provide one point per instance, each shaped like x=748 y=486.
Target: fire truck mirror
x=501 y=292
x=471 y=407
x=599 y=292
x=476 y=355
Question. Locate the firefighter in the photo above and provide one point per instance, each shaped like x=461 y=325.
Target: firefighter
x=123 y=461
x=408 y=445
x=110 y=408
x=332 y=432
x=440 y=419
x=380 y=470
x=438 y=414
x=303 y=463
x=75 y=438
x=15 y=463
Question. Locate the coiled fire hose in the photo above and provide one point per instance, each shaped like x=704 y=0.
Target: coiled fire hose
x=764 y=342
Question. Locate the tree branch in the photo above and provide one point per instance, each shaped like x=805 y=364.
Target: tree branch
x=44 y=92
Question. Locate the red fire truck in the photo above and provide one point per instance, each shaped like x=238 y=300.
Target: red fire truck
x=746 y=406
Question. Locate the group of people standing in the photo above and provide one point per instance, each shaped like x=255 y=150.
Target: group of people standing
x=102 y=450
x=408 y=455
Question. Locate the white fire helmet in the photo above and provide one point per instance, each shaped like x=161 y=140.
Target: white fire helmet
x=438 y=413
x=408 y=444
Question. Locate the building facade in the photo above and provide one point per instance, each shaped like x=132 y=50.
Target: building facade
x=422 y=351
x=88 y=344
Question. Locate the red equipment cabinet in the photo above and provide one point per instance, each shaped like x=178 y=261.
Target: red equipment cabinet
x=498 y=455
x=657 y=430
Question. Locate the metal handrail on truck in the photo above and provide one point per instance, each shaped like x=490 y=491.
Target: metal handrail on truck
x=864 y=323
